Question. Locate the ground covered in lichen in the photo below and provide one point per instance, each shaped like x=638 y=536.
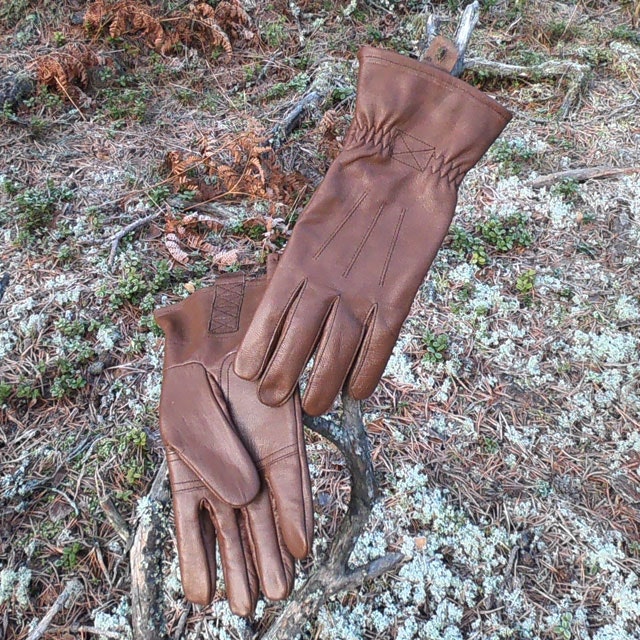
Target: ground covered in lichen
x=506 y=429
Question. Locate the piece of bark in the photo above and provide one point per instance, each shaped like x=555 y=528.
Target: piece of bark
x=581 y=175
x=147 y=614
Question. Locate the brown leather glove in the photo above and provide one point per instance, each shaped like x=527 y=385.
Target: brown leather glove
x=366 y=240
x=238 y=468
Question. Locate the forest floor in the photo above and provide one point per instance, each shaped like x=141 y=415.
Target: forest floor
x=506 y=431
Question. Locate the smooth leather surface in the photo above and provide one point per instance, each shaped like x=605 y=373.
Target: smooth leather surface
x=367 y=238
x=238 y=468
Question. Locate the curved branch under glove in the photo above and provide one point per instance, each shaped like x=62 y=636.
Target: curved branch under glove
x=366 y=240
x=238 y=468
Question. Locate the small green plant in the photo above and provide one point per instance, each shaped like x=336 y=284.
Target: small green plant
x=59 y=39
x=70 y=556
x=125 y=103
x=525 y=283
x=436 y=346
x=506 y=233
x=469 y=246
x=298 y=84
x=68 y=379
x=275 y=32
x=490 y=445
x=28 y=391
x=566 y=188
x=563 y=630
x=512 y=154
x=159 y=194
x=5 y=392
x=33 y=209
x=543 y=489
x=625 y=32
x=136 y=283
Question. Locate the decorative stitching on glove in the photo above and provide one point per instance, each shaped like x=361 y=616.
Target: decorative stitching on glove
x=335 y=232
x=392 y=246
x=412 y=151
x=227 y=302
x=363 y=241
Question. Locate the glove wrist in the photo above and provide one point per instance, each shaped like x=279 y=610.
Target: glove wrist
x=419 y=115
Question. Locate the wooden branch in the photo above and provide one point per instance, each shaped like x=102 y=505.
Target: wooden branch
x=147 y=615
x=581 y=175
x=576 y=72
x=326 y=79
x=293 y=117
x=468 y=23
x=333 y=574
x=71 y=591
x=128 y=229
x=115 y=518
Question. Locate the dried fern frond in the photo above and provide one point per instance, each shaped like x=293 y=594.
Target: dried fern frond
x=204 y=16
x=95 y=16
x=66 y=68
x=232 y=17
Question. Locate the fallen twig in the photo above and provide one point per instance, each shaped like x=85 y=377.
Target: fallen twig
x=115 y=518
x=71 y=591
x=581 y=175
x=128 y=229
x=327 y=78
x=576 y=72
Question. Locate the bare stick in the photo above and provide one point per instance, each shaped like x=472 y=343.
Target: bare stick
x=430 y=32
x=293 y=117
x=468 y=23
x=334 y=575
x=128 y=229
x=147 y=615
x=326 y=78
x=581 y=175
x=71 y=591
x=577 y=74
x=115 y=518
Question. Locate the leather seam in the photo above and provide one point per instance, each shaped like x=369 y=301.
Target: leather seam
x=297 y=292
x=314 y=373
x=363 y=241
x=387 y=262
x=337 y=230
x=365 y=346
x=291 y=311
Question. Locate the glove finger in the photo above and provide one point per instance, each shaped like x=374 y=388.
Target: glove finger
x=261 y=338
x=195 y=534
x=337 y=349
x=274 y=437
x=239 y=571
x=373 y=356
x=290 y=489
x=275 y=565
x=299 y=337
x=195 y=423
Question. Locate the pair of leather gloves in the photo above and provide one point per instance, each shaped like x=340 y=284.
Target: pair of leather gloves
x=230 y=415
